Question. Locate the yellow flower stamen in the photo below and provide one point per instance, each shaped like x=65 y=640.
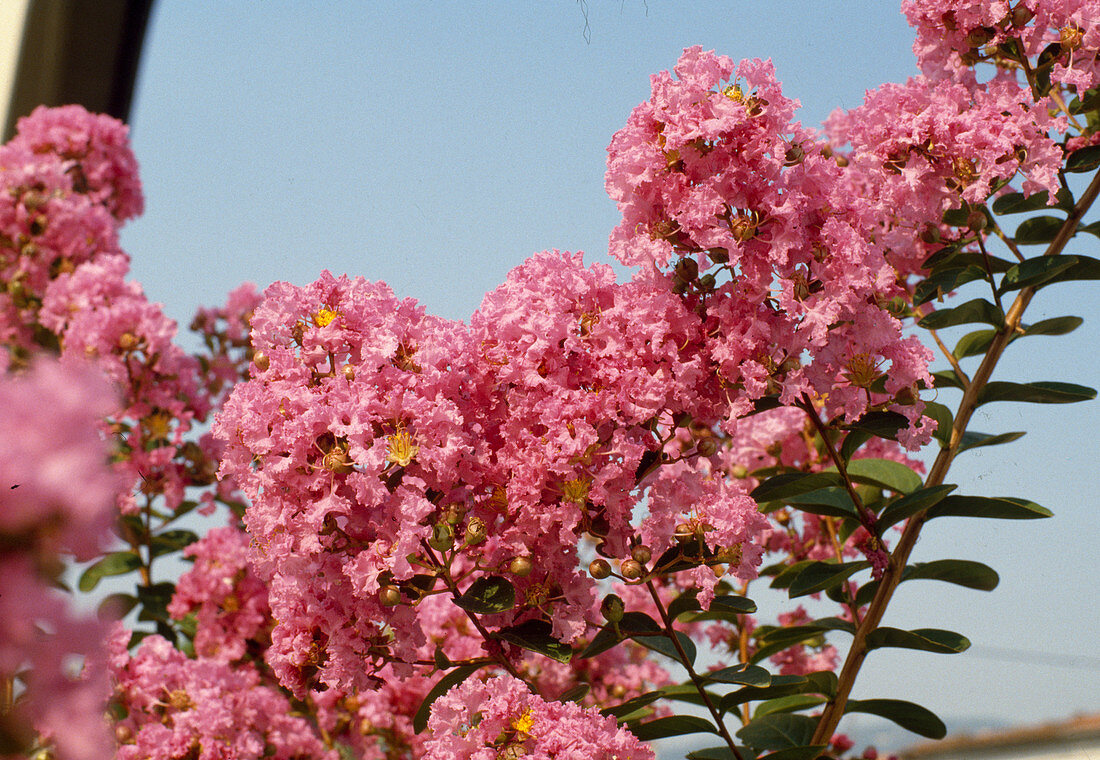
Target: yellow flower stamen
x=524 y=723
x=401 y=448
x=324 y=316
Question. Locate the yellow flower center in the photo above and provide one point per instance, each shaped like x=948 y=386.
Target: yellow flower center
x=324 y=316
x=401 y=448
x=524 y=723
x=575 y=491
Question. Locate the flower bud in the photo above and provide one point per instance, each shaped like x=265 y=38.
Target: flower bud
x=475 y=531
x=642 y=554
x=612 y=608
x=349 y=373
x=128 y=341
x=443 y=537
x=684 y=533
x=261 y=361
x=631 y=569
x=739 y=471
x=707 y=447
x=599 y=569
x=521 y=567
x=390 y=596
x=687 y=269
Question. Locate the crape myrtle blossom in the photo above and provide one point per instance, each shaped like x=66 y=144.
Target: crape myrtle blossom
x=954 y=35
x=374 y=440
x=761 y=233
x=500 y=717
x=228 y=600
x=56 y=496
x=203 y=708
x=923 y=147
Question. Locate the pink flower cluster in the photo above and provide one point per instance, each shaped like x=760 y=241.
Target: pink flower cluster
x=954 y=35
x=380 y=446
x=487 y=720
x=56 y=495
x=227 y=599
x=203 y=708
x=762 y=234
x=926 y=146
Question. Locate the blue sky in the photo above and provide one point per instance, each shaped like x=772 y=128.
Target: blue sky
x=435 y=145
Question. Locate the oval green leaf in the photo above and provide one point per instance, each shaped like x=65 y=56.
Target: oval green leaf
x=910 y=716
x=911 y=504
x=672 y=725
x=117 y=563
x=777 y=732
x=535 y=635
x=487 y=595
x=1003 y=508
x=1045 y=392
x=924 y=639
x=1038 y=230
x=818 y=576
x=961 y=572
x=976 y=310
x=884 y=473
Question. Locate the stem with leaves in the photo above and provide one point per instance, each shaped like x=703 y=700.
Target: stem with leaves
x=834 y=709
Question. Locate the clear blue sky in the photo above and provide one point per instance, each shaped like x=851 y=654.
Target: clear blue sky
x=435 y=145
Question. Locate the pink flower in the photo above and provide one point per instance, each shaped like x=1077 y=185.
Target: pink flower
x=479 y=720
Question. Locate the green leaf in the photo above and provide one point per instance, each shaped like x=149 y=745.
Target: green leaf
x=748 y=675
x=632 y=705
x=117 y=563
x=831 y=502
x=535 y=636
x=154 y=601
x=171 y=541
x=884 y=473
x=818 y=576
x=780 y=686
x=1083 y=159
x=1090 y=102
x=1054 y=326
x=944 y=420
x=1018 y=203
x=911 y=717
x=911 y=504
x=714 y=753
x=785 y=577
x=792 y=703
x=961 y=572
x=974 y=440
x=663 y=644
x=796 y=753
x=734 y=603
x=728 y=608
x=789 y=484
x=924 y=639
x=974 y=343
x=1002 y=508
x=1035 y=393
x=576 y=694
x=872 y=424
x=943 y=282
x=975 y=310
x=442 y=686
x=781 y=731
x=487 y=595
x=672 y=725
x=947 y=378
x=1036 y=272
x=684 y=603
x=1038 y=230
x=116 y=606
x=824 y=682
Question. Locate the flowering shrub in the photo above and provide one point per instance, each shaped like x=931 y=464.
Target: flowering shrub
x=509 y=537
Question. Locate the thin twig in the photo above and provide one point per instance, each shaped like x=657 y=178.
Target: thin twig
x=834 y=709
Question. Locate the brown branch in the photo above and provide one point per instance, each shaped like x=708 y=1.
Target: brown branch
x=834 y=709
